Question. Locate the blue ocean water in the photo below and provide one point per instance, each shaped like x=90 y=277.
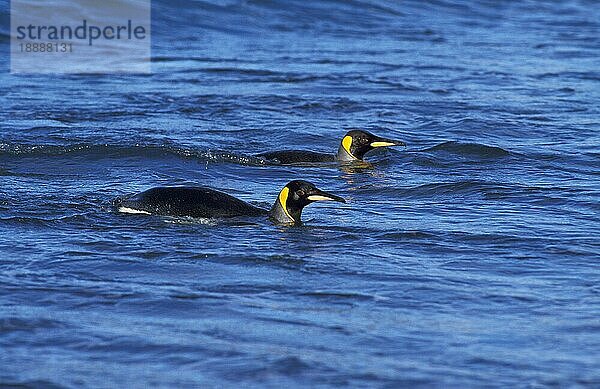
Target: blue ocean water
x=469 y=258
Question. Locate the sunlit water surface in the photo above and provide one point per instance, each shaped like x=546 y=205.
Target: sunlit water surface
x=469 y=258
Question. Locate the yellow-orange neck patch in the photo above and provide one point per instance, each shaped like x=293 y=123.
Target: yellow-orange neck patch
x=347 y=143
x=283 y=196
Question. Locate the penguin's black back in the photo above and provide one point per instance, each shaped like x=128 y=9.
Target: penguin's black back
x=189 y=201
x=286 y=157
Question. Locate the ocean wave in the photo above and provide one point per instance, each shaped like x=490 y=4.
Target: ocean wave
x=13 y=324
x=101 y=151
x=469 y=149
x=485 y=189
x=19 y=221
x=25 y=384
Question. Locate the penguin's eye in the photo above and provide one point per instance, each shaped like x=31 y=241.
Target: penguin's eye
x=299 y=194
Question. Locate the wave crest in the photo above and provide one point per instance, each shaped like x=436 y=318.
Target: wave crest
x=470 y=149
x=114 y=151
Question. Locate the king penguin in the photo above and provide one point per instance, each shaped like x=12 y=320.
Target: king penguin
x=353 y=147
x=204 y=202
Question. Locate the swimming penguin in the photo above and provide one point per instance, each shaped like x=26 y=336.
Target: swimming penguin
x=353 y=147
x=203 y=202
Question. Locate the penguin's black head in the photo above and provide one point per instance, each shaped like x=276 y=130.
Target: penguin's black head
x=294 y=197
x=356 y=143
